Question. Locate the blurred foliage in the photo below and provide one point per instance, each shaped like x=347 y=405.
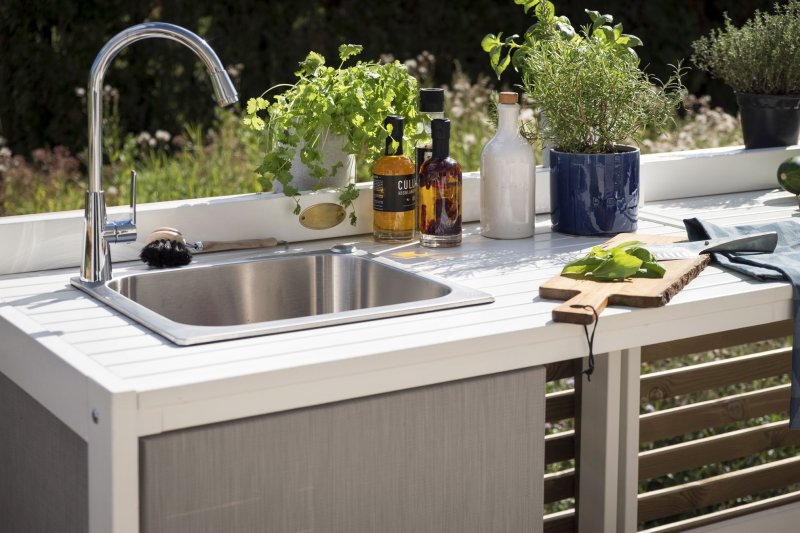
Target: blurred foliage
x=195 y=163
x=48 y=48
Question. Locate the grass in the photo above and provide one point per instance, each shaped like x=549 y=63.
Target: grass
x=192 y=164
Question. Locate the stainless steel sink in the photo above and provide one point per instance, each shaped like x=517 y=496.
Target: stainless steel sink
x=205 y=303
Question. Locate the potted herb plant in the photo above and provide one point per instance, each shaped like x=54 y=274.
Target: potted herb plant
x=330 y=115
x=758 y=61
x=596 y=99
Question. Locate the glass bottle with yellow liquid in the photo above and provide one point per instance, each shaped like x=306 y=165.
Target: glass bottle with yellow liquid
x=440 y=192
x=394 y=189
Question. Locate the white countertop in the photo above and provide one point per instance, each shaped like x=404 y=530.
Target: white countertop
x=184 y=386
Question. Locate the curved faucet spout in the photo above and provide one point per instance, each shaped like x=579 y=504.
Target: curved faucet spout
x=96 y=255
x=224 y=91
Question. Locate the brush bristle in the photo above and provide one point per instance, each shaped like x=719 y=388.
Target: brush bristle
x=165 y=253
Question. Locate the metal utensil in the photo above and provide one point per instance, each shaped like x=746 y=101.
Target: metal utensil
x=757 y=242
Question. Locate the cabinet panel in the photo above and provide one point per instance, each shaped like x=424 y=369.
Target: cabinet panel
x=43 y=468
x=463 y=456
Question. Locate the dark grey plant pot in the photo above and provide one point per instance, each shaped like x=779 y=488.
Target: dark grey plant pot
x=769 y=120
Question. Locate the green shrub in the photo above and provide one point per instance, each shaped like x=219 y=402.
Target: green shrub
x=758 y=57
x=350 y=101
x=594 y=98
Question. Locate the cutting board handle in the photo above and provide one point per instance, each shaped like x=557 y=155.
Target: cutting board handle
x=577 y=310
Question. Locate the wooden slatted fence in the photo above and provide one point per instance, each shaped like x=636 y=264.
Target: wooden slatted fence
x=693 y=440
x=560 y=483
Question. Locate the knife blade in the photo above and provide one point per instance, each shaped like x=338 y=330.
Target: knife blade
x=756 y=242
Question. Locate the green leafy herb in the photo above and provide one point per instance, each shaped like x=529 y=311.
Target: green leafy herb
x=627 y=260
x=549 y=27
x=346 y=198
x=351 y=101
x=755 y=58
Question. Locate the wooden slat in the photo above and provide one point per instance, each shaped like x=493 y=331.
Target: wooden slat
x=713 y=413
x=559 y=447
x=726 y=514
x=699 y=494
x=713 y=341
x=560 y=522
x=562 y=369
x=559 y=405
x=716 y=449
x=559 y=486
x=685 y=380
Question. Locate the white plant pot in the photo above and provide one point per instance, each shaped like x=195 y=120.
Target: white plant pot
x=331 y=149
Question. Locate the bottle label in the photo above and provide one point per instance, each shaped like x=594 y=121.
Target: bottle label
x=391 y=194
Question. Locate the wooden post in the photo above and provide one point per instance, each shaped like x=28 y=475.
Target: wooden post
x=628 y=487
x=609 y=444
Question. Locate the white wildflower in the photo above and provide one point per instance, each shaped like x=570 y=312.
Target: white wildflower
x=143 y=138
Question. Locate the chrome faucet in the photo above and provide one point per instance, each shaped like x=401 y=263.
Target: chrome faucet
x=99 y=231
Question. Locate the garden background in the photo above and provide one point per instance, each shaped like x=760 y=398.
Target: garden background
x=159 y=112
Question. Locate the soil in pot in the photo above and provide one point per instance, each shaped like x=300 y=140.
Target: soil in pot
x=594 y=194
x=769 y=120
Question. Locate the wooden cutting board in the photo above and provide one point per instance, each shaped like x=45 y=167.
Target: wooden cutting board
x=635 y=292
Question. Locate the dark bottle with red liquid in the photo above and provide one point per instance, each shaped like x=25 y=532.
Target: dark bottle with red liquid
x=439 y=200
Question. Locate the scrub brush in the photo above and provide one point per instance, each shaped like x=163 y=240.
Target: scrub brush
x=166 y=247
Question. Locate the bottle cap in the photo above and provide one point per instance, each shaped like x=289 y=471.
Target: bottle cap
x=396 y=122
x=509 y=98
x=431 y=100
x=440 y=134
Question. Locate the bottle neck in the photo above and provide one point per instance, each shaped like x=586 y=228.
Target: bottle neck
x=507 y=118
x=441 y=147
x=427 y=118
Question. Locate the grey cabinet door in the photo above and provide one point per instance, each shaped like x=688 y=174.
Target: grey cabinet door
x=463 y=457
x=44 y=477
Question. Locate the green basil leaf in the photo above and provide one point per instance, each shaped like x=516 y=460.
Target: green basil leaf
x=626 y=260
x=618 y=267
x=651 y=269
x=582 y=266
x=641 y=253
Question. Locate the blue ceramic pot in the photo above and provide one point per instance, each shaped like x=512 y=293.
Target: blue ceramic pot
x=594 y=194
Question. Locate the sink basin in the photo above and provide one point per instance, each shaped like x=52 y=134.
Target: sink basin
x=229 y=300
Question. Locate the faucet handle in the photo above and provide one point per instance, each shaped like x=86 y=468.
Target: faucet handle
x=133 y=197
x=124 y=230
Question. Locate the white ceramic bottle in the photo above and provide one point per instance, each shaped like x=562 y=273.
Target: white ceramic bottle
x=508 y=171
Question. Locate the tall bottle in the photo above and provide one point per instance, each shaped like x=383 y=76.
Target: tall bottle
x=431 y=106
x=508 y=173
x=440 y=192
x=394 y=189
